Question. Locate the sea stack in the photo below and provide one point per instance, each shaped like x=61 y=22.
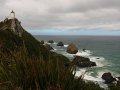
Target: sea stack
x=50 y=41
x=72 y=49
x=82 y=62
x=60 y=44
x=108 y=78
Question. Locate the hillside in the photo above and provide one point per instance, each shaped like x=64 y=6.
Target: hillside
x=25 y=64
x=14 y=38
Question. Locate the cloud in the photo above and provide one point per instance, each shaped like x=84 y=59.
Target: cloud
x=64 y=14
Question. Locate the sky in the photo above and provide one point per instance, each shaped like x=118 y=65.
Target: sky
x=65 y=17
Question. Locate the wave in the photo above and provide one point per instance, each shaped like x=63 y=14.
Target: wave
x=79 y=53
x=66 y=45
x=80 y=72
x=51 y=43
x=85 y=53
x=87 y=76
x=96 y=72
x=55 y=43
x=100 y=61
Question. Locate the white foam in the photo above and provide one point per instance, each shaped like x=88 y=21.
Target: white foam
x=85 y=53
x=55 y=43
x=68 y=55
x=91 y=78
x=100 y=61
x=61 y=49
x=54 y=49
x=46 y=43
x=66 y=45
x=94 y=58
x=87 y=76
x=51 y=43
x=97 y=80
x=80 y=72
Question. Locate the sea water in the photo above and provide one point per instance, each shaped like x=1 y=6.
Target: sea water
x=104 y=50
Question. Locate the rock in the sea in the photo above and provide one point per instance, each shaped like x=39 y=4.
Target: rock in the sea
x=97 y=58
x=118 y=83
x=84 y=50
x=60 y=44
x=83 y=62
x=72 y=49
x=47 y=46
x=42 y=42
x=50 y=41
x=108 y=78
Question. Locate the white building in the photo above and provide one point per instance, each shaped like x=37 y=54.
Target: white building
x=12 y=15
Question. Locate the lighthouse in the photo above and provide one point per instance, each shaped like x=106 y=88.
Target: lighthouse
x=12 y=15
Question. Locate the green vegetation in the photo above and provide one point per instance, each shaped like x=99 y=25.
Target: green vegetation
x=38 y=74
x=113 y=87
x=27 y=65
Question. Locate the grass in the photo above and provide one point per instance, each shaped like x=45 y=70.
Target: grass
x=24 y=73
x=27 y=65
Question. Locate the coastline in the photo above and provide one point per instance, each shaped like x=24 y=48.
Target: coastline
x=101 y=63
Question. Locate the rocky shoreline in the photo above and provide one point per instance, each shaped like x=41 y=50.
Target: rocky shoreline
x=83 y=62
x=78 y=61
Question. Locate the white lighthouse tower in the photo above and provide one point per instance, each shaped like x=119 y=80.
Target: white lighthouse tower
x=12 y=15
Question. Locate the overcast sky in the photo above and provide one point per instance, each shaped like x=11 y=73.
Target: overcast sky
x=57 y=16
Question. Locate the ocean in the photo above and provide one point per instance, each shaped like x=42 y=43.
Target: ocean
x=104 y=50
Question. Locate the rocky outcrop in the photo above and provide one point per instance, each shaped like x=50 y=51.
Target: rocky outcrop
x=118 y=83
x=50 y=41
x=84 y=50
x=60 y=44
x=108 y=78
x=82 y=62
x=13 y=25
x=118 y=78
x=72 y=49
x=48 y=47
x=42 y=42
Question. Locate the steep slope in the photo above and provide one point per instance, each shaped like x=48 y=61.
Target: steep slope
x=14 y=38
x=25 y=64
